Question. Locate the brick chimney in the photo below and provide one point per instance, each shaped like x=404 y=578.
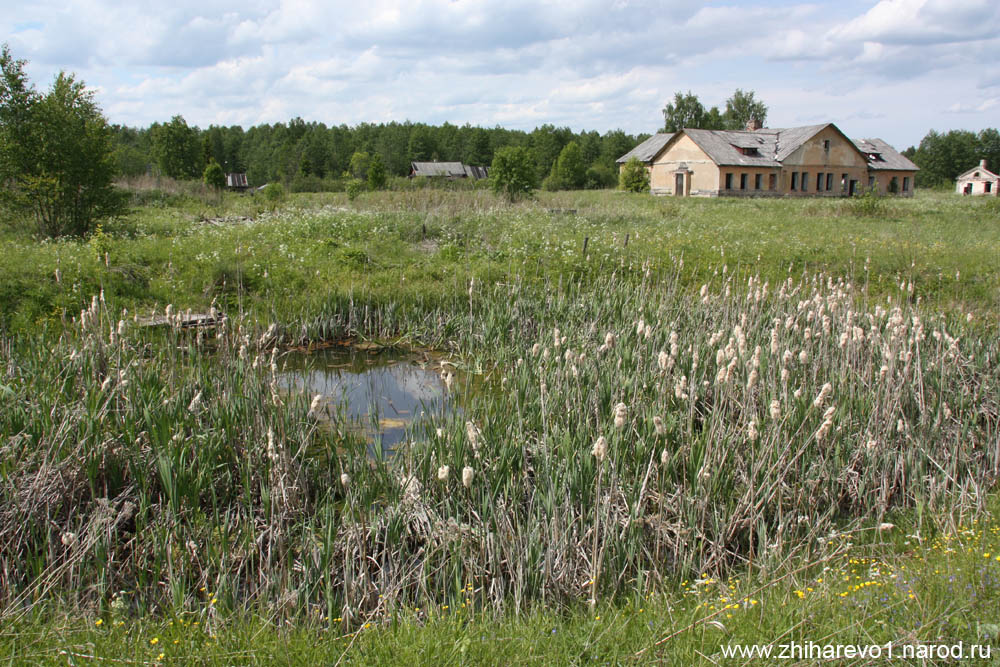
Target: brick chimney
x=753 y=125
x=982 y=164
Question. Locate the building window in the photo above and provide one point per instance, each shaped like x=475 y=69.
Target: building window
x=987 y=186
x=772 y=182
x=826 y=145
x=743 y=181
x=906 y=184
x=843 y=182
x=795 y=181
x=829 y=182
x=805 y=181
x=871 y=181
x=729 y=181
x=757 y=181
x=819 y=182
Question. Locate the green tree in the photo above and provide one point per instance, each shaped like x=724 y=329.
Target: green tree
x=176 y=149
x=988 y=142
x=570 y=167
x=688 y=111
x=600 y=176
x=478 y=151
x=512 y=173
x=741 y=108
x=421 y=146
x=377 y=177
x=634 y=177
x=213 y=176
x=685 y=111
x=358 y=167
x=942 y=157
x=56 y=155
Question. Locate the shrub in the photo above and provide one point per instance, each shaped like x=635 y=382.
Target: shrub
x=870 y=204
x=213 y=176
x=512 y=173
x=600 y=176
x=355 y=186
x=377 y=177
x=274 y=193
x=634 y=177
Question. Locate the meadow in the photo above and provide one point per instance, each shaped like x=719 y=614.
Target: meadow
x=662 y=399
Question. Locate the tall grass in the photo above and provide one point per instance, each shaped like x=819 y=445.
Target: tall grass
x=744 y=422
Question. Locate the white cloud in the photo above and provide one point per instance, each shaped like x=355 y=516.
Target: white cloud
x=585 y=63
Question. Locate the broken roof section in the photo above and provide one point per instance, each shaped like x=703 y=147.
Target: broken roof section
x=882 y=156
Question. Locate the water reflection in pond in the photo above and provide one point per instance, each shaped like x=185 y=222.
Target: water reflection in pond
x=380 y=393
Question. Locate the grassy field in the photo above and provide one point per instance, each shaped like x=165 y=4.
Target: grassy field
x=708 y=392
x=424 y=246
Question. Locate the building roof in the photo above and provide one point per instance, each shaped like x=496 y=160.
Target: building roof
x=236 y=180
x=883 y=157
x=648 y=149
x=984 y=173
x=476 y=173
x=456 y=169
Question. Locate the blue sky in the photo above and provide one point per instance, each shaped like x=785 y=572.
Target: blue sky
x=889 y=68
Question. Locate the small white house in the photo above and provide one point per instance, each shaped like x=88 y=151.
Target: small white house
x=978 y=181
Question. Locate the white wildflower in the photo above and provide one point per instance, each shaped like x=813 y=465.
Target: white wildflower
x=467 y=474
x=443 y=473
x=775 y=410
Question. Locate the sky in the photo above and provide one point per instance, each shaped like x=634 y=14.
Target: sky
x=893 y=69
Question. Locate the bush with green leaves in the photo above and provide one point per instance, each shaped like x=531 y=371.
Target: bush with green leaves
x=600 y=176
x=213 y=176
x=355 y=187
x=634 y=177
x=274 y=193
x=512 y=173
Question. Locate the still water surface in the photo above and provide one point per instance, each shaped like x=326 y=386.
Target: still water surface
x=380 y=394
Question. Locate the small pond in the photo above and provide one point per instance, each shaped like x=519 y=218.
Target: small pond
x=378 y=392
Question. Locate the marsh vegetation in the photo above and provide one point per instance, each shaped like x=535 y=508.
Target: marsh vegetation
x=711 y=387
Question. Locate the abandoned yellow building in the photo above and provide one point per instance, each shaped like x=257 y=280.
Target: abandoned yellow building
x=816 y=160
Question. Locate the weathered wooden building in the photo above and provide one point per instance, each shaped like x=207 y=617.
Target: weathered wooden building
x=978 y=181
x=450 y=170
x=237 y=181
x=815 y=160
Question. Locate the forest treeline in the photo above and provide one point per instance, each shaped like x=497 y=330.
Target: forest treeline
x=313 y=156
